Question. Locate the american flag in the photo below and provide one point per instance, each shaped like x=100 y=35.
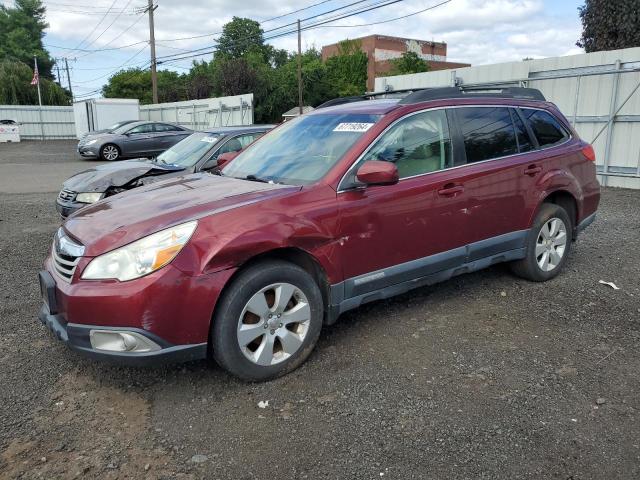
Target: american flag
x=36 y=77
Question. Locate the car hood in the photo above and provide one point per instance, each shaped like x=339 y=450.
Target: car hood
x=100 y=178
x=100 y=138
x=131 y=215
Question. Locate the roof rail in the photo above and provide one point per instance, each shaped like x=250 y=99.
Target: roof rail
x=426 y=94
x=366 y=96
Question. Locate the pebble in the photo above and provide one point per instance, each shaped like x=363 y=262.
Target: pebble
x=600 y=401
x=199 y=458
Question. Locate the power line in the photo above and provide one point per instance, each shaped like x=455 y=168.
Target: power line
x=374 y=6
x=295 y=11
x=95 y=28
x=108 y=26
x=384 y=21
x=140 y=17
x=126 y=63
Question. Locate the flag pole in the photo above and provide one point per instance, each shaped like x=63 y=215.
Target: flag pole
x=36 y=77
x=35 y=61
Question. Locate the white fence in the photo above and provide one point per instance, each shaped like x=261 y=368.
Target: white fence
x=55 y=123
x=200 y=114
x=599 y=93
x=37 y=123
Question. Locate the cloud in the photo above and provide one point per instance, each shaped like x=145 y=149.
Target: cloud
x=476 y=31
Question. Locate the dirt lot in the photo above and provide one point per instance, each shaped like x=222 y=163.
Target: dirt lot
x=485 y=376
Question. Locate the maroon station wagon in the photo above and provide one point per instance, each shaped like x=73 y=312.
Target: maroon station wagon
x=355 y=202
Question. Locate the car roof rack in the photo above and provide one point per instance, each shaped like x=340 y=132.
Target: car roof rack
x=413 y=95
x=427 y=94
x=367 y=96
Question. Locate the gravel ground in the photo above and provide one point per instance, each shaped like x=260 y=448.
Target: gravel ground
x=484 y=376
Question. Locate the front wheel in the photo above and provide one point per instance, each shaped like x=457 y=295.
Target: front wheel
x=109 y=152
x=547 y=246
x=267 y=321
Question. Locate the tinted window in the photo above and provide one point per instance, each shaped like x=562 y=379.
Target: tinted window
x=417 y=144
x=144 y=128
x=547 y=129
x=524 y=142
x=487 y=132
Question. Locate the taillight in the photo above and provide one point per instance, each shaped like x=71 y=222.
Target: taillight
x=588 y=152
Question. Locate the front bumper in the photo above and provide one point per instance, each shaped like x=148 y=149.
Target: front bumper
x=168 y=307
x=88 y=152
x=67 y=208
x=76 y=337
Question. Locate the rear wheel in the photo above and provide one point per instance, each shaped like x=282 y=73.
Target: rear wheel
x=548 y=245
x=109 y=152
x=267 y=322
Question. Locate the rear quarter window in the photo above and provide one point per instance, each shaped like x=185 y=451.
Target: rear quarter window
x=547 y=129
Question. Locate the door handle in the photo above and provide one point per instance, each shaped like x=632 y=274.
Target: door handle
x=531 y=170
x=451 y=189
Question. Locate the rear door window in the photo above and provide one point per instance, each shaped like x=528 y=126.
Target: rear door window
x=488 y=132
x=546 y=128
x=522 y=135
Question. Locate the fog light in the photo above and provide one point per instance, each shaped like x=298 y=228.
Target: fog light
x=121 y=341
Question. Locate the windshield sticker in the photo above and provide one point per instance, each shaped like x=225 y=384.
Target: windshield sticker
x=353 y=127
x=209 y=139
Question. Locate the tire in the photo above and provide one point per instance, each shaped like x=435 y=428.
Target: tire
x=277 y=347
x=554 y=245
x=110 y=152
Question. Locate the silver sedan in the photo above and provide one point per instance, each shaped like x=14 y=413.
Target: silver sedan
x=133 y=140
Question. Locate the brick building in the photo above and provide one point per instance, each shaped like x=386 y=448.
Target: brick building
x=380 y=49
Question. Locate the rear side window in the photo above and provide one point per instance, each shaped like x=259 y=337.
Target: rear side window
x=545 y=127
x=488 y=132
x=524 y=141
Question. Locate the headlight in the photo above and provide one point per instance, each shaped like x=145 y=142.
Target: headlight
x=142 y=256
x=89 y=197
x=91 y=142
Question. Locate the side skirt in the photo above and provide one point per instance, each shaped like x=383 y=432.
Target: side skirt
x=437 y=268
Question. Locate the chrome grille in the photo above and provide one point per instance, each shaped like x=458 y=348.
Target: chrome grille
x=65 y=265
x=66 y=255
x=67 y=195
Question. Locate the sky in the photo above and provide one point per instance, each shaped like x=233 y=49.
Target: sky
x=476 y=31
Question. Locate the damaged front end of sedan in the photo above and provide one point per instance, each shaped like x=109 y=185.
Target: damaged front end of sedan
x=90 y=186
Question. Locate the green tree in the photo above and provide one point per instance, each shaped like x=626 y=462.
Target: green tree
x=15 y=88
x=136 y=83
x=347 y=71
x=240 y=36
x=21 y=32
x=409 y=62
x=609 y=24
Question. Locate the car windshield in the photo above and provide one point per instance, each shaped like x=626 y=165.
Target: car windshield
x=302 y=150
x=187 y=152
x=123 y=128
x=117 y=125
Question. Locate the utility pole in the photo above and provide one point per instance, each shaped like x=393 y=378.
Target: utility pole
x=152 y=41
x=58 y=70
x=299 y=68
x=66 y=64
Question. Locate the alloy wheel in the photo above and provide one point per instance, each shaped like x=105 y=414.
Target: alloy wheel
x=551 y=244
x=110 y=152
x=274 y=324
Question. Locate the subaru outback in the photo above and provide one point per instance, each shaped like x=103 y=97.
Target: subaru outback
x=352 y=203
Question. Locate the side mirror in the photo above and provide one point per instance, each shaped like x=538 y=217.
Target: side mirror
x=226 y=157
x=377 y=172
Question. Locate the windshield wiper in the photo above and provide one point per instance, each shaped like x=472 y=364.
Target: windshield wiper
x=253 y=178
